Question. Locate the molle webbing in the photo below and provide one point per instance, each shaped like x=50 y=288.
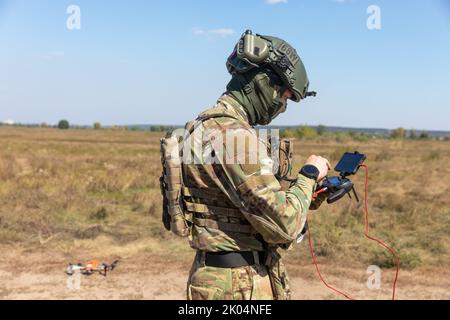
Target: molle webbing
x=224 y=226
x=208 y=209
x=206 y=215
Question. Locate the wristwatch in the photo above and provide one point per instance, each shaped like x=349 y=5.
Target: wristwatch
x=310 y=171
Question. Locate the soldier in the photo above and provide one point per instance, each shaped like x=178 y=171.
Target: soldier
x=237 y=215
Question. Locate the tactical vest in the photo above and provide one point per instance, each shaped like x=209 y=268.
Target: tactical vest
x=184 y=204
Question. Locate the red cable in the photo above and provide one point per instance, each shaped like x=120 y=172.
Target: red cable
x=380 y=242
x=315 y=194
x=317 y=267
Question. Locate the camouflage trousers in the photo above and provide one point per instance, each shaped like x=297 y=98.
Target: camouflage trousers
x=243 y=283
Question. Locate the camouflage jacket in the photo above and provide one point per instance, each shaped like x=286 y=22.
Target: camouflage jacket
x=243 y=193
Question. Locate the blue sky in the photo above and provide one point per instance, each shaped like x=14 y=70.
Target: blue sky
x=164 y=61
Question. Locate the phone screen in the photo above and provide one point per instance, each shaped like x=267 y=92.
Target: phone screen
x=350 y=163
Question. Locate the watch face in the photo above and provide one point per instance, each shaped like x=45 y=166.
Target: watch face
x=311 y=171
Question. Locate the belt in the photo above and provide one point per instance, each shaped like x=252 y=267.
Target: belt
x=233 y=259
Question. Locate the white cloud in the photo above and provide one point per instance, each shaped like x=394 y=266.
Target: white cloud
x=198 y=31
x=53 y=55
x=223 y=32
x=276 y=1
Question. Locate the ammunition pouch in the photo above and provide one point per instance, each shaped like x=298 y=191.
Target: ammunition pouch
x=285 y=154
x=171 y=185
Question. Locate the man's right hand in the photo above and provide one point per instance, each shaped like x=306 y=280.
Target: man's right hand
x=320 y=163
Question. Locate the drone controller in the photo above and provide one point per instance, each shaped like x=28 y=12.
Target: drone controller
x=339 y=186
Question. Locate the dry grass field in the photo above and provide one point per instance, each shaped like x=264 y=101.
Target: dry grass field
x=73 y=195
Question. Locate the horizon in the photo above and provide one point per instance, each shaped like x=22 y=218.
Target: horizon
x=139 y=126
x=141 y=63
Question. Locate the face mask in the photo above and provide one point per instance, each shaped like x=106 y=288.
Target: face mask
x=279 y=105
x=264 y=101
x=280 y=110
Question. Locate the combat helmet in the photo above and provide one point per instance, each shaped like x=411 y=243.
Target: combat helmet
x=255 y=51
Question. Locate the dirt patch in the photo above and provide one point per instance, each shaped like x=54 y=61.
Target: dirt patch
x=143 y=278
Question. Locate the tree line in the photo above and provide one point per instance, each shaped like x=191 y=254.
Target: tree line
x=300 y=132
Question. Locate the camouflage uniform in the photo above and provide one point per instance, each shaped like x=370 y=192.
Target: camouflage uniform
x=240 y=207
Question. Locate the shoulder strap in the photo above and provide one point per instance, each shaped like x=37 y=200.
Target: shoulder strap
x=194 y=124
x=201 y=118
